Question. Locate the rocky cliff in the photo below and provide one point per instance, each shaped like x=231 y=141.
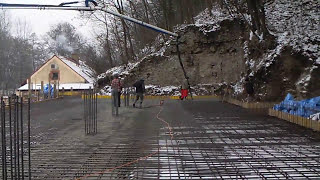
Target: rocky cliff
x=219 y=52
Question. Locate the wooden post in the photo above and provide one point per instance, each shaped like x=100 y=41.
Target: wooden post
x=313 y=125
x=42 y=93
x=29 y=88
x=54 y=90
x=49 y=90
x=310 y=123
x=35 y=91
x=58 y=89
x=291 y=118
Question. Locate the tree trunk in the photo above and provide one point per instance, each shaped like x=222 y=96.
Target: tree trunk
x=165 y=13
x=146 y=10
x=262 y=18
x=125 y=42
x=132 y=54
x=118 y=40
x=254 y=14
x=257 y=13
x=120 y=9
x=108 y=48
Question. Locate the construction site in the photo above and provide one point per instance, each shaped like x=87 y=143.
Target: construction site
x=223 y=90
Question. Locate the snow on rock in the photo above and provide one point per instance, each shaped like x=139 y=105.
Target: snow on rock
x=315 y=117
x=125 y=70
x=208 y=21
x=105 y=91
x=150 y=90
x=299 y=22
x=121 y=70
x=237 y=88
x=161 y=91
x=153 y=47
x=156 y=90
x=270 y=56
x=304 y=80
x=295 y=25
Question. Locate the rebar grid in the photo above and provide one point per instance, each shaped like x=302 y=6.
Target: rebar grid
x=228 y=145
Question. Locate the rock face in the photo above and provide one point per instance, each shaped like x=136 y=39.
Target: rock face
x=220 y=55
x=210 y=58
x=290 y=73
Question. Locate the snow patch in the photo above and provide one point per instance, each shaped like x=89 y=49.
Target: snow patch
x=209 y=21
x=121 y=70
x=237 y=88
x=300 y=21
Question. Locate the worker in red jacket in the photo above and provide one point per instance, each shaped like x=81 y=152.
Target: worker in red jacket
x=184 y=89
x=116 y=86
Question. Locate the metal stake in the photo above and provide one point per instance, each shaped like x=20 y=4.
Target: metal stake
x=21 y=129
x=29 y=138
x=18 y=146
x=15 y=136
x=3 y=135
x=10 y=126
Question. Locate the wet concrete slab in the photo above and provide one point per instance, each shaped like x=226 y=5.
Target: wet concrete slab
x=210 y=140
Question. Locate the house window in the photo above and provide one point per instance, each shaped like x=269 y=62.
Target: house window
x=55 y=76
x=53 y=66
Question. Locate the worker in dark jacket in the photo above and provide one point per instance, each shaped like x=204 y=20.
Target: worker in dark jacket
x=248 y=86
x=140 y=89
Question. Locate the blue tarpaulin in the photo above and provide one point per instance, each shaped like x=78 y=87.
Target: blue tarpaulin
x=303 y=108
x=46 y=90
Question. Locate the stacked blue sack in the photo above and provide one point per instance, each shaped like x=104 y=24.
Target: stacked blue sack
x=303 y=108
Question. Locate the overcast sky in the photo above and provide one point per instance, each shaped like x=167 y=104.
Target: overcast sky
x=41 y=20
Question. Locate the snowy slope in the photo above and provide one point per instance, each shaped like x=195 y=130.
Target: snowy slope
x=121 y=70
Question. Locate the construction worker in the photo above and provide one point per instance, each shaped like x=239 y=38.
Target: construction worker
x=140 y=89
x=184 y=89
x=116 y=86
x=248 y=87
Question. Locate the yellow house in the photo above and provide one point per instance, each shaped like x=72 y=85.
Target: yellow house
x=66 y=73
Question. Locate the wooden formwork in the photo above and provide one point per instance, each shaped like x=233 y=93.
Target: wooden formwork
x=302 y=121
x=259 y=107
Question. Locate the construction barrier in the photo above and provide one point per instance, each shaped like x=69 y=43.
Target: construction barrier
x=267 y=107
x=302 y=121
